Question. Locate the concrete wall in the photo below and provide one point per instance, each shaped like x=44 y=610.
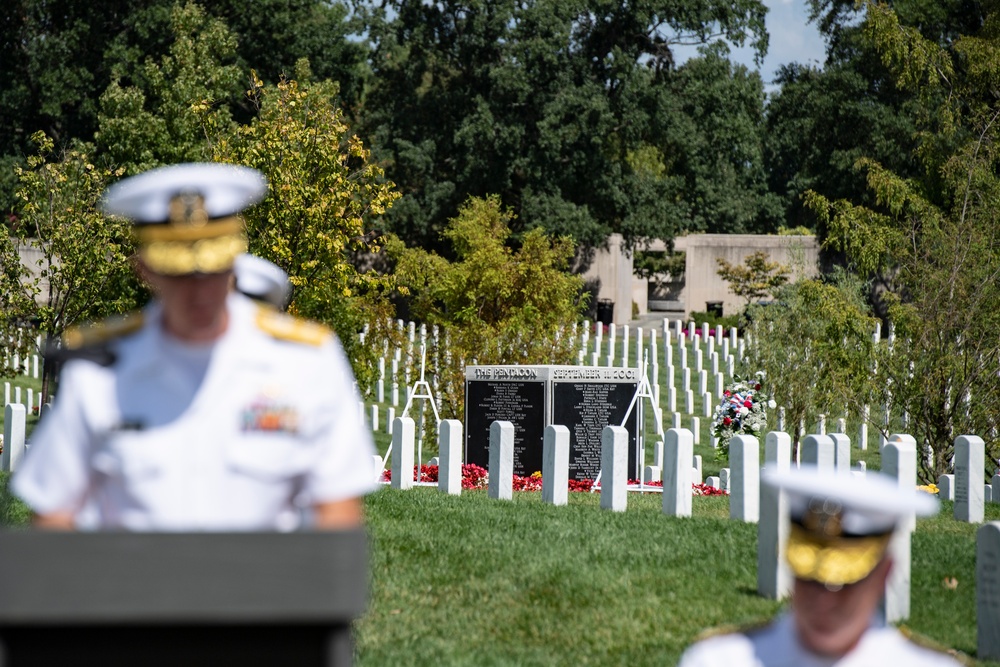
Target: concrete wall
x=30 y=258
x=702 y=282
x=611 y=269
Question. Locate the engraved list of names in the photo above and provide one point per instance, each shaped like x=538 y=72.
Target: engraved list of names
x=585 y=407
x=515 y=396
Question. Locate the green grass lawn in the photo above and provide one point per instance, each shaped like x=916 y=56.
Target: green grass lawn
x=465 y=580
x=470 y=581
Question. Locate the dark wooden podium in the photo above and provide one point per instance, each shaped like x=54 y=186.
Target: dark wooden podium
x=138 y=599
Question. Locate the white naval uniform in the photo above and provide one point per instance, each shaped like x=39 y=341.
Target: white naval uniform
x=271 y=428
x=777 y=646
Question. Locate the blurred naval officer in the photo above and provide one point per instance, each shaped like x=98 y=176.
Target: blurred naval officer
x=837 y=551
x=262 y=280
x=206 y=410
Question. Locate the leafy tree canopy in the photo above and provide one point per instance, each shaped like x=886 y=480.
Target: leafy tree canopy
x=712 y=120
x=325 y=198
x=325 y=192
x=757 y=278
x=61 y=55
x=178 y=101
x=814 y=343
x=82 y=271
x=496 y=303
x=550 y=105
x=935 y=235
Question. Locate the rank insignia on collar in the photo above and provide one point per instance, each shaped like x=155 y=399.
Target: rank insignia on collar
x=264 y=415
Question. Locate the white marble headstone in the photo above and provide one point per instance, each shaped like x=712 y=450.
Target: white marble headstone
x=555 y=464
x=819 y=450
x=841 y=452
x=774 y=580
x=678 y=454
x=946 y=487
x=614 y=468
x=969 y=482
x=501 y=465
x=988 y=591
x=13 y=436
x=744 y=480
x=450 y=458
x=899 y=461
x=724 y=476
x=403 y=432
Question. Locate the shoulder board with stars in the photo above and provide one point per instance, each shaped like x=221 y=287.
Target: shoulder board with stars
x=285 y=327
x=92 y=342
x=77 y=338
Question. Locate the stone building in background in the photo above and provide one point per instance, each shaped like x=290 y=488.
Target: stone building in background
x=700 y=288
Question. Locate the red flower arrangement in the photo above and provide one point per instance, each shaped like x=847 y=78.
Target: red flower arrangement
x=477 y=477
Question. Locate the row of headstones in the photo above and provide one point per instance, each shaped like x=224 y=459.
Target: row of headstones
x=32 y=401
x=593 y=354
x=727 y=353
x=680 y=465
x=394 y=370
x=674 y=394
x=373 y=413
x=25 y=366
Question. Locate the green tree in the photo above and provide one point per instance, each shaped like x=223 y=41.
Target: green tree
x=710 y=124
x=756 y=279
x=323 y=208
x=179 y=101
x=60 y=56
x=82 y=272
x=326 y=195
x=549 y=105
x=496 y=304
x=821 y=121
x=814 y=342
x=273 y=35
x=935 y=236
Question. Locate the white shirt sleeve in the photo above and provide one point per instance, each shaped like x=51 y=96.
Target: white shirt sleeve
x=344 y=468
x=54 y=475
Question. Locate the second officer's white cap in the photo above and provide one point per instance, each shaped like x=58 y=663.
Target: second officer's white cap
x=841 y=523
x=260 y=279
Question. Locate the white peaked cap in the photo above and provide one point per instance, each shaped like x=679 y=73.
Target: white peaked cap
x=871 y=504
x=258 y=278
x=226 y=189
x=841 y=523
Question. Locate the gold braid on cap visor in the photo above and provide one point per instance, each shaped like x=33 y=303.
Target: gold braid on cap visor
x=835 y=561
x=176 y=249
x=177 y=258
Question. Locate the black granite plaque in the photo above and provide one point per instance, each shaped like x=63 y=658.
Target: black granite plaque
x=585 y=407
x=519 y=401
